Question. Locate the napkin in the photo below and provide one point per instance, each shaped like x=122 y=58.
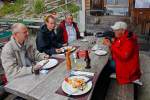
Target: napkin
x=59 y=55
x=82 y=73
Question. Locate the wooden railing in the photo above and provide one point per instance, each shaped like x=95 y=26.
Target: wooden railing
x=56 y=3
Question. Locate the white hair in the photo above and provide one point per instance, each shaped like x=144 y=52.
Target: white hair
x=67 y=14
x=17 y=27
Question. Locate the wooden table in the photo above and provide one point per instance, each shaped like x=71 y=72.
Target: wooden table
x=43 y=87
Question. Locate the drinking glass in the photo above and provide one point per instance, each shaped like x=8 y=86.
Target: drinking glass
x=80 y=64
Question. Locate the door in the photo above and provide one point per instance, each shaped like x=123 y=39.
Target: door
x=97 y=7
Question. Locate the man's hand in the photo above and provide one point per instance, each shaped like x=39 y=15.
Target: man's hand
x=46 y=56
x=106 y=42
x=36 y=67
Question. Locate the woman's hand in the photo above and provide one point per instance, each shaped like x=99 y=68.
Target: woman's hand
x=106 y=42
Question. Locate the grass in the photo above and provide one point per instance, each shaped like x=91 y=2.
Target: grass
x=73 y=8
x=12 y=8
x=38 y=6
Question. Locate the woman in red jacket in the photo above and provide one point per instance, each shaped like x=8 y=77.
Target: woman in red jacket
x=125 y=54
x=124 y=61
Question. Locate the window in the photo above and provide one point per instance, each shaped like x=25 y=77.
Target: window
x=142 y=3
x=117 y=7
x=117 y=2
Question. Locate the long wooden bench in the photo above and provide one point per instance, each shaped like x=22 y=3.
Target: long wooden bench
x=120 y=92
x=129 y=91
x=143 y=93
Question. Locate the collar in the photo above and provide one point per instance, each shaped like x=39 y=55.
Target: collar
x=16 y=46
x=44 y=29
x=68 y=25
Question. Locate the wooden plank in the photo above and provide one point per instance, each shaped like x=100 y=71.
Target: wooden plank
x=59 y=6
x=23 y=85
x=126 y=92
x=96 y=67
x=120 y=92
x=31 y=26
x=43 y=87
x=46 y=90
x=51 y=84
x=33 y=20
x=143 y=92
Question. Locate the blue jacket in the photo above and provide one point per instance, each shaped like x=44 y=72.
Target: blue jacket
x=46 y=41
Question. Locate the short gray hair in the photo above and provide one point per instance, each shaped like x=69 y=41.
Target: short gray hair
x=16 y=27
x=67 y=14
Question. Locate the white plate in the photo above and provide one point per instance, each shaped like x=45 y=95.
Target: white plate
x=100 y=52
x=96 y=47
x=84 y=40
x=67 y=88
x=68 y=47
x=50 y=64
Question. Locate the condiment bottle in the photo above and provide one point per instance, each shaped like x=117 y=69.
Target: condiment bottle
x=87 y=60
x=68 y=60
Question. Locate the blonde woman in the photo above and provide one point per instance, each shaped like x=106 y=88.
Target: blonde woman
x=46 y=40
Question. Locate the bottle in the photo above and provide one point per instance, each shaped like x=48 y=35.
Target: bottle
x=68 y=60
x=87 y=60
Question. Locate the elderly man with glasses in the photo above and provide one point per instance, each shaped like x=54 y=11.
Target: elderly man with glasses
x=19 y=55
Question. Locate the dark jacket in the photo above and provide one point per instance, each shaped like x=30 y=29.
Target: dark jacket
x=62 y=35
x=46 y=41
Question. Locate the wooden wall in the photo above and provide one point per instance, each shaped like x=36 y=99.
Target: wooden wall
x=141 y=16
x=87 y=4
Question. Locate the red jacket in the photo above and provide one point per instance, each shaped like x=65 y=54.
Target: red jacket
x=62 y=32
x=125 y=53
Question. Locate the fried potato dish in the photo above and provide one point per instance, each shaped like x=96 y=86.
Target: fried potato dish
x=76 y=83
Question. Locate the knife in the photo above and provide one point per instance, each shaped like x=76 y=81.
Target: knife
x=90 y=79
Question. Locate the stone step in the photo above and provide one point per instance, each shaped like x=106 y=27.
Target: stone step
x=103 y=23
x=97 y=27
x=105 y=19
x=94 y=31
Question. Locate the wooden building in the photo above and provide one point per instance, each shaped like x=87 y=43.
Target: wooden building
x=137 y=10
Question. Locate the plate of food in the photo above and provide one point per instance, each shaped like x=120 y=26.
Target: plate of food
x=76 y=85
x=100 y=52
x=64 y=49
x=47 y=64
